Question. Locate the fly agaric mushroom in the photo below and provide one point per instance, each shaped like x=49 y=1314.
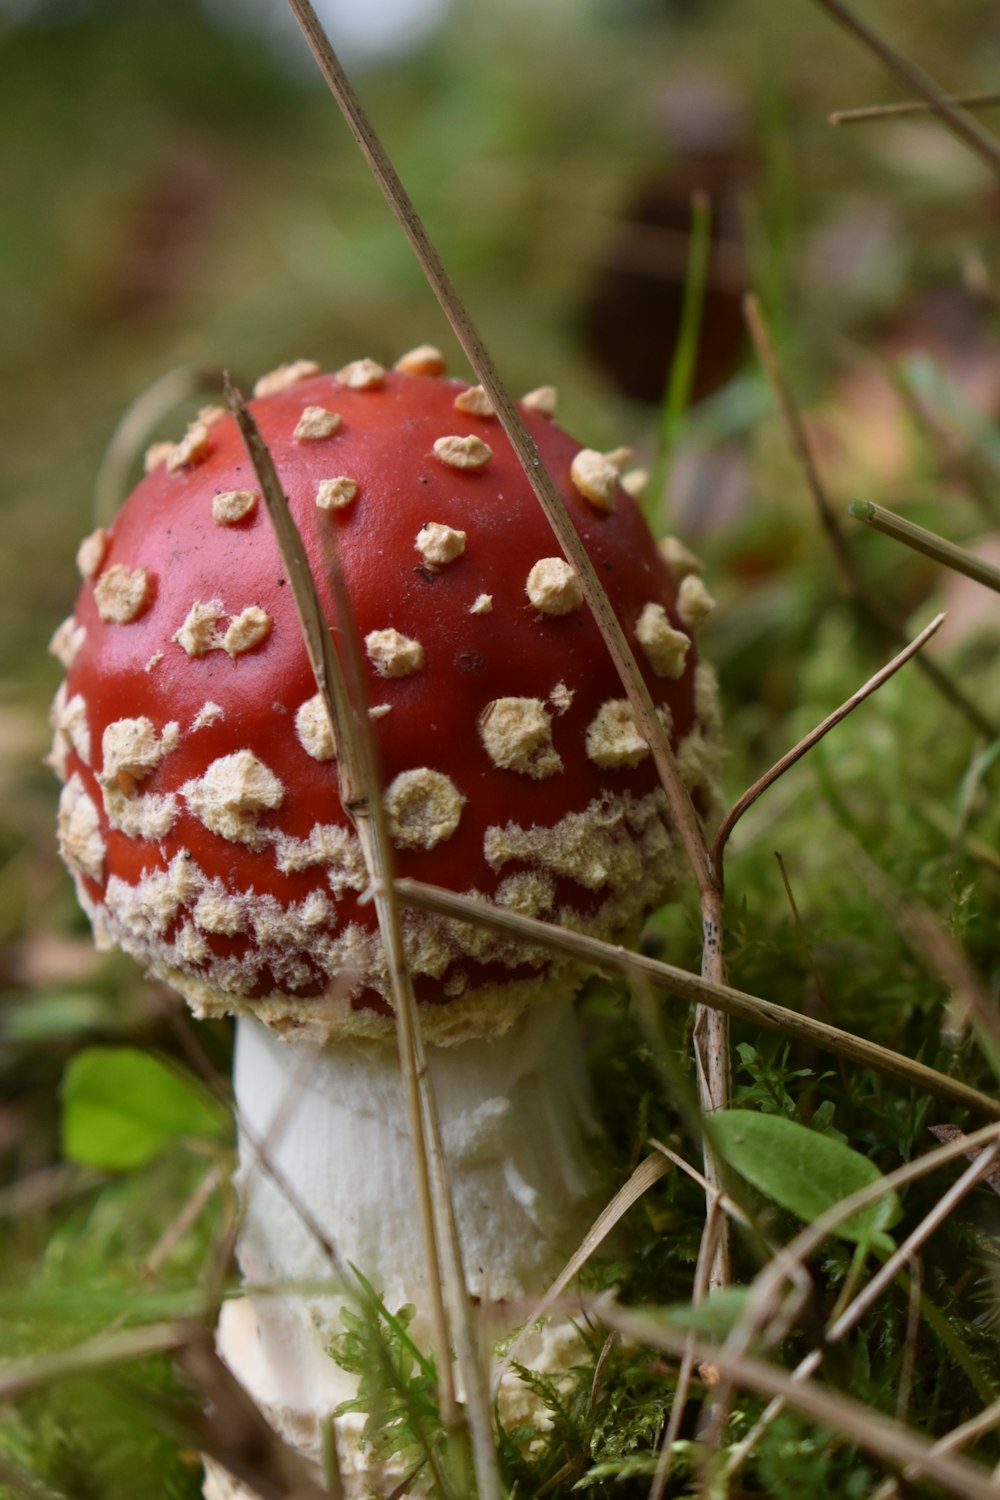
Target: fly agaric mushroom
x=200 y=817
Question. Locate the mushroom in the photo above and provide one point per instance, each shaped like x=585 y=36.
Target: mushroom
x=201 y=822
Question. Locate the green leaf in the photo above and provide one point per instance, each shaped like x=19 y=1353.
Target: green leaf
x=804 y=1171
x=122 y=1107
x=715 y=1317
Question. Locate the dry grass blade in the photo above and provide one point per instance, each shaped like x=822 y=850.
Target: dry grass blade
x=20 y=1377
x=211 y=1183
x=814 y=736
x=983 y=99
x=958 y=121
x=932 y=1221
x=976 y=1427
x=927 y=542
x=611 y=959
x=790 y=1260
x=361 y=797
x=895 y=1445
x=375 y=840
x=801 y=447
x=642 y=1179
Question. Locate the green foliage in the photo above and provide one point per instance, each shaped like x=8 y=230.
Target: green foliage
x=805 y=1171
x=122 y=1107
x=397 y=1383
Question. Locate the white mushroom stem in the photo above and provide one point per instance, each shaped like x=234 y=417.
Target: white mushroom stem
x=515 y=1116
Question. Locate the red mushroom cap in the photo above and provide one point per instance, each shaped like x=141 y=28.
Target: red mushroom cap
x=200 y=814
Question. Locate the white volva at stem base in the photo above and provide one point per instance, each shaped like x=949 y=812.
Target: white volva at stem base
x=515 y=1117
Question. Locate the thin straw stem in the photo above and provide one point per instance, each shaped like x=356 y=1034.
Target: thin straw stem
x=983 y=99
x=612 y=959
x=928 y=542
x=360 y=801
x=913 y=77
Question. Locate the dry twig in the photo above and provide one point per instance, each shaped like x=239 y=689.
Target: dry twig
x=958 y=121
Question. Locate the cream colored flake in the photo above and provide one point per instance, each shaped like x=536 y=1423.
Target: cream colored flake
x=664 y=647
x=207 y=714
x=144 y=815
x=131 y=750
x=698 y=758
x=474 y=402
x=67 y=641
x=679 y=559
x=337 y=493
x=708 y=710
x=481 y=605
x=561 y=697
x=69 y=717
x=284 y=376
x=218 y=911
x=439 y=544
x=200 y=632
x=232 y=794
x=601 y=846
x=314 y=730
x=553 y=586
x=361 y=375
x=595 y=478
x=517 y=736
x=314 y=910
x=379 y=710
x=154 y=661
x=528 y=892
x=393 y=654
x=694 y=601
x=208 y=416
x=246 y=630
x=635 y=482
x=315 y=424
x=193 y=448
x=462 y=452
x=91 y=553
x=423 y=808
x=619 y=458
x=543 y=399
x=81 y=842
x=58 y=757
x=190 y=946
x=231 y=506
x=330 y=845
x=281 y=929
x=155 y=455
x=613 y=740
x=423 y=360
x=121 y=594
x=145 y=911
